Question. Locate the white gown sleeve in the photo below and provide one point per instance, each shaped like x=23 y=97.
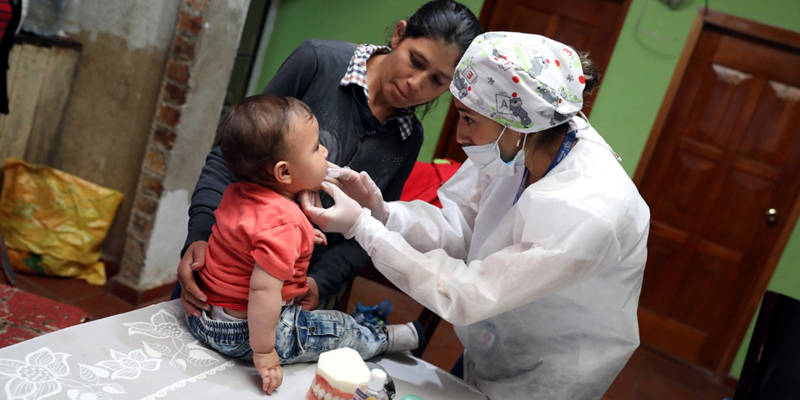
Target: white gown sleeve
x=560 y=244
x=427 y=227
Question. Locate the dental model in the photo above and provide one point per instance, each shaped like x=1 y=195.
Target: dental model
x=339 y=372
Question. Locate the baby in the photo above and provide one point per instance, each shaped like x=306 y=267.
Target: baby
x=261 y=245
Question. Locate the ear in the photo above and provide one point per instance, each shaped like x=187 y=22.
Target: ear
x=399 y=33
x=281 y=172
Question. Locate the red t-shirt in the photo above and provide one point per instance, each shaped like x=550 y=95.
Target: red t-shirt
x=255 y=225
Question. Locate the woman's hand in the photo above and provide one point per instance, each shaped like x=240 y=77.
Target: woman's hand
x=361 y=188
x=310 y=300
x=269 y=367
x=192 y=298
x=339 y=218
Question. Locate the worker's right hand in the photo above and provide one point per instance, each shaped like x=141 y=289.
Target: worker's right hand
x=192 y=298
x=361 y=188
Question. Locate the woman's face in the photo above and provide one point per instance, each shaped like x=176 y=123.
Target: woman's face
x=475 y=130
x=417 y=70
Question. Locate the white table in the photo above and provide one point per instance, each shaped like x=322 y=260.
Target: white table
x=149 y=353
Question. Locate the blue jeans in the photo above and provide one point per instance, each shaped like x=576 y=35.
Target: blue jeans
x=300 y=336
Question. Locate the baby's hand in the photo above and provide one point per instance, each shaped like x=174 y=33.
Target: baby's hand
x=269 y=367
x=319 y=238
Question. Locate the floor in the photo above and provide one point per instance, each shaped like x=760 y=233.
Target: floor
x=647 y=376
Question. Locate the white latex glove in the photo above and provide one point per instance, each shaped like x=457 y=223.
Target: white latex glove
x=361 y=188
x=374 y=201
x=339 y=218
x=341 y=176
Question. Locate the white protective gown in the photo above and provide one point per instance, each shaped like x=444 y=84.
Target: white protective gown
x=543 y=293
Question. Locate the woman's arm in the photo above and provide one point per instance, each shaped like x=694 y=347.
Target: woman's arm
x=213 y=181
x=333 y=266
x=214 y=178
x=263 y=311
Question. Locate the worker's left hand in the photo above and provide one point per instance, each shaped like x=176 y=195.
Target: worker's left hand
x=339 y=218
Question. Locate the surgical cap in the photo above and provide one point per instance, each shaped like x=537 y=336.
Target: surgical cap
x=527 y=82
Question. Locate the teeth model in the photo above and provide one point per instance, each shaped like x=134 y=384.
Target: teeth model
x=339 y=372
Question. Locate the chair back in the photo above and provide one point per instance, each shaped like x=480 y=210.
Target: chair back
x=772 y=366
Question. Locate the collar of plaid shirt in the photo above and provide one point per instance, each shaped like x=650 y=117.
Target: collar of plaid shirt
x=357 y=75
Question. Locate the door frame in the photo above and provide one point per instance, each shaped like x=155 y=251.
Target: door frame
x=448 y=132
x=713 y=19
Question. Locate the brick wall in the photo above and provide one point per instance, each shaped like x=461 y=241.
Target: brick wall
x=171 y=100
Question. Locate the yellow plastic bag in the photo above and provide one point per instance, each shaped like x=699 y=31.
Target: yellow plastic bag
x=54 y=223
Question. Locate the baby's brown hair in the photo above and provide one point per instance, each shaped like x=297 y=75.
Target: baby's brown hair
x=254 y=135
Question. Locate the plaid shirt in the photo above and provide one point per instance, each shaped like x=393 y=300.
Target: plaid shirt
x=357 y=75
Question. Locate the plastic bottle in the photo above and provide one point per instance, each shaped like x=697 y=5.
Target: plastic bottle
x=372 y=389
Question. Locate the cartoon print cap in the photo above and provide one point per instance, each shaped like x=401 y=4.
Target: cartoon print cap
x=527 y=82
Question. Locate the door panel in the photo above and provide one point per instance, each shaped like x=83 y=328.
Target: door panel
x=728 y=151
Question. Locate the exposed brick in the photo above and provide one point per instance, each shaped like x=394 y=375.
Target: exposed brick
x=168 y=116
x=141 y=226
x=134 y=253
x=175 y=93
x=198 y=4
x=184 y=47
x=164 y=136
x=145 y=205
x=151 y=185
x=154 y=161
x=191 y=23
x=178 y=71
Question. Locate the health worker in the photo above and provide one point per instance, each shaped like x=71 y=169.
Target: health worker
x=538 y=251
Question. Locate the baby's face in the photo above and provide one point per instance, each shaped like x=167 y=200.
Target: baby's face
x=307 y=160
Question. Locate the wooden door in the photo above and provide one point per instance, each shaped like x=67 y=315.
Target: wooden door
x=585 y=25
x=723 y=153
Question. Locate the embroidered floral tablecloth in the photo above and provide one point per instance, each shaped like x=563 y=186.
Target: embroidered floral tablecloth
x=150 y=354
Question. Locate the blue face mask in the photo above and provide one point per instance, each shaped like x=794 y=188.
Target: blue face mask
x=488 y=161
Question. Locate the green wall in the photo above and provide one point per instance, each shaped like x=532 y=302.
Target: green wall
x=627 y=104
x=357 y=21
x=636 y=81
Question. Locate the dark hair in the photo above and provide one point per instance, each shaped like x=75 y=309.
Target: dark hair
x=545 y=139
x=254 y=135
x=444 y=20
x=447 y=21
